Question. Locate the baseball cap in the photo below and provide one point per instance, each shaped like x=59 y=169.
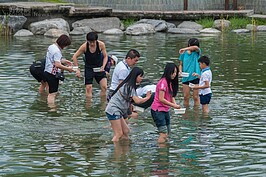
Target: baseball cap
x=114 y=58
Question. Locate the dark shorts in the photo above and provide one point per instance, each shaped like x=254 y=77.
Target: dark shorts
x=195 y=81
x=52 y=82
x=147 y=103
x=37 y=73
x=205 y=99
x=89 y=75
x=161 y=120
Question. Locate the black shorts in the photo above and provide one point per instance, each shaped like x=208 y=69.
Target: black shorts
x=52 y=82
x=37 y=73
x=89 y=75
x=195 y=81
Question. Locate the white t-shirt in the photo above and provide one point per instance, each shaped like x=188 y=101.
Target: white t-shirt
x=120 y=72
x=143 y=90
x=206 y=75
x=53 y=54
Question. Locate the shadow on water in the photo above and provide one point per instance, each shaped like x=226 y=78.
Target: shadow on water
x=74 y=136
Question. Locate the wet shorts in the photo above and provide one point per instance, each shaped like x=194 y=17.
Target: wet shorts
x=113 y=117
x=52 y=82
x=161 y=120
x=89 y=75
x=195 y=81
x=205 y=99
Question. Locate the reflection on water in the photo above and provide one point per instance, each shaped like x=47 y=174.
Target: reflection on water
x=69 y=137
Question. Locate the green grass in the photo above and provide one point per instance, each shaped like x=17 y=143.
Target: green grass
x=206 y=22
x=260 y=21
x=128 y=22
x=236 y=22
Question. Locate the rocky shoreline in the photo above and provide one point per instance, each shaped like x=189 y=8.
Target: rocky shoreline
x=52 y=20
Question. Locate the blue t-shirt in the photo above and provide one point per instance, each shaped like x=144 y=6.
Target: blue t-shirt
x=190 y=64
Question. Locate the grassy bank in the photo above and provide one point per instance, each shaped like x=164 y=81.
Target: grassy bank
x=236 y=22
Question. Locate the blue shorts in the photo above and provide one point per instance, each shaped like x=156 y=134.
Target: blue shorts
x=113 y=117
x=162 y=121
x=205 y=99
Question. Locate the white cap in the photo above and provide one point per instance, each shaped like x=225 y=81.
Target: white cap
x=114 y=58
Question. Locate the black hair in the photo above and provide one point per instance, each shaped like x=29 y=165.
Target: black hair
x=92 y=36
x=193 y=42
x=204 y=59
x=168 y=71
x=63 y=41
x=130 y=82
x=132 y=53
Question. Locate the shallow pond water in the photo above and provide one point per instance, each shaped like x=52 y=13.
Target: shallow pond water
x=73 y=138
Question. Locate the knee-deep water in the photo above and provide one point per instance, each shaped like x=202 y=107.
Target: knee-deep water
x=73 y=137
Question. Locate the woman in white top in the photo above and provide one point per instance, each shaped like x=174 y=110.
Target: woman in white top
x=54 y=65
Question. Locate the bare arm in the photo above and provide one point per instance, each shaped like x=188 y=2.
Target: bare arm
x=80 y=51
x=139 y=100
x=180 y=68
x=191 y=48
x=62 y=67
x=166 y=102
x=206 y=85
x=105 y=57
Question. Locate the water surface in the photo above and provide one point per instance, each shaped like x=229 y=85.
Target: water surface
x=71 y=139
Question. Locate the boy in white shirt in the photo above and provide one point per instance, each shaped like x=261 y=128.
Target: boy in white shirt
x=204 y=86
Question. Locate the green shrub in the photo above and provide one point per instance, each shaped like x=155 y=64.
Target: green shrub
x=237 y=23
x=128 y=22
x=206 y=22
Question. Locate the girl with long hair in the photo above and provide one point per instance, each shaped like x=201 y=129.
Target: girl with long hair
x=166 y=90
x=119 y=104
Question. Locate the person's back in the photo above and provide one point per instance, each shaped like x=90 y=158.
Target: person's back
x=37 y=71
x=120 y=72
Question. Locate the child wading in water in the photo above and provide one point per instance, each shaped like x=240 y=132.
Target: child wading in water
x=166 y=90
x=119 y=104
x=189 y=64
x=204 y=86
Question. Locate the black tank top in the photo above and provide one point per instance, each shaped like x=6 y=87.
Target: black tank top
x=93 y=60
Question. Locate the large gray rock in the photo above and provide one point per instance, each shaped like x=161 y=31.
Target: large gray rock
x=80 y=30
x=251 y=27
x=42 y=27
x=261 y=28
x=170 y=25
x=240 y=31
x=99 y=24
x=182 y=31
x=113 y=31
x=14 y=22
x=140 y=29
x=159 y=25
x=190 y=25
x=23 y=33
x=210 y=31
x=55 y=33
x=221 y=24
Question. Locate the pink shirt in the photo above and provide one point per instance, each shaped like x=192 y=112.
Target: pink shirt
x=157 y=105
